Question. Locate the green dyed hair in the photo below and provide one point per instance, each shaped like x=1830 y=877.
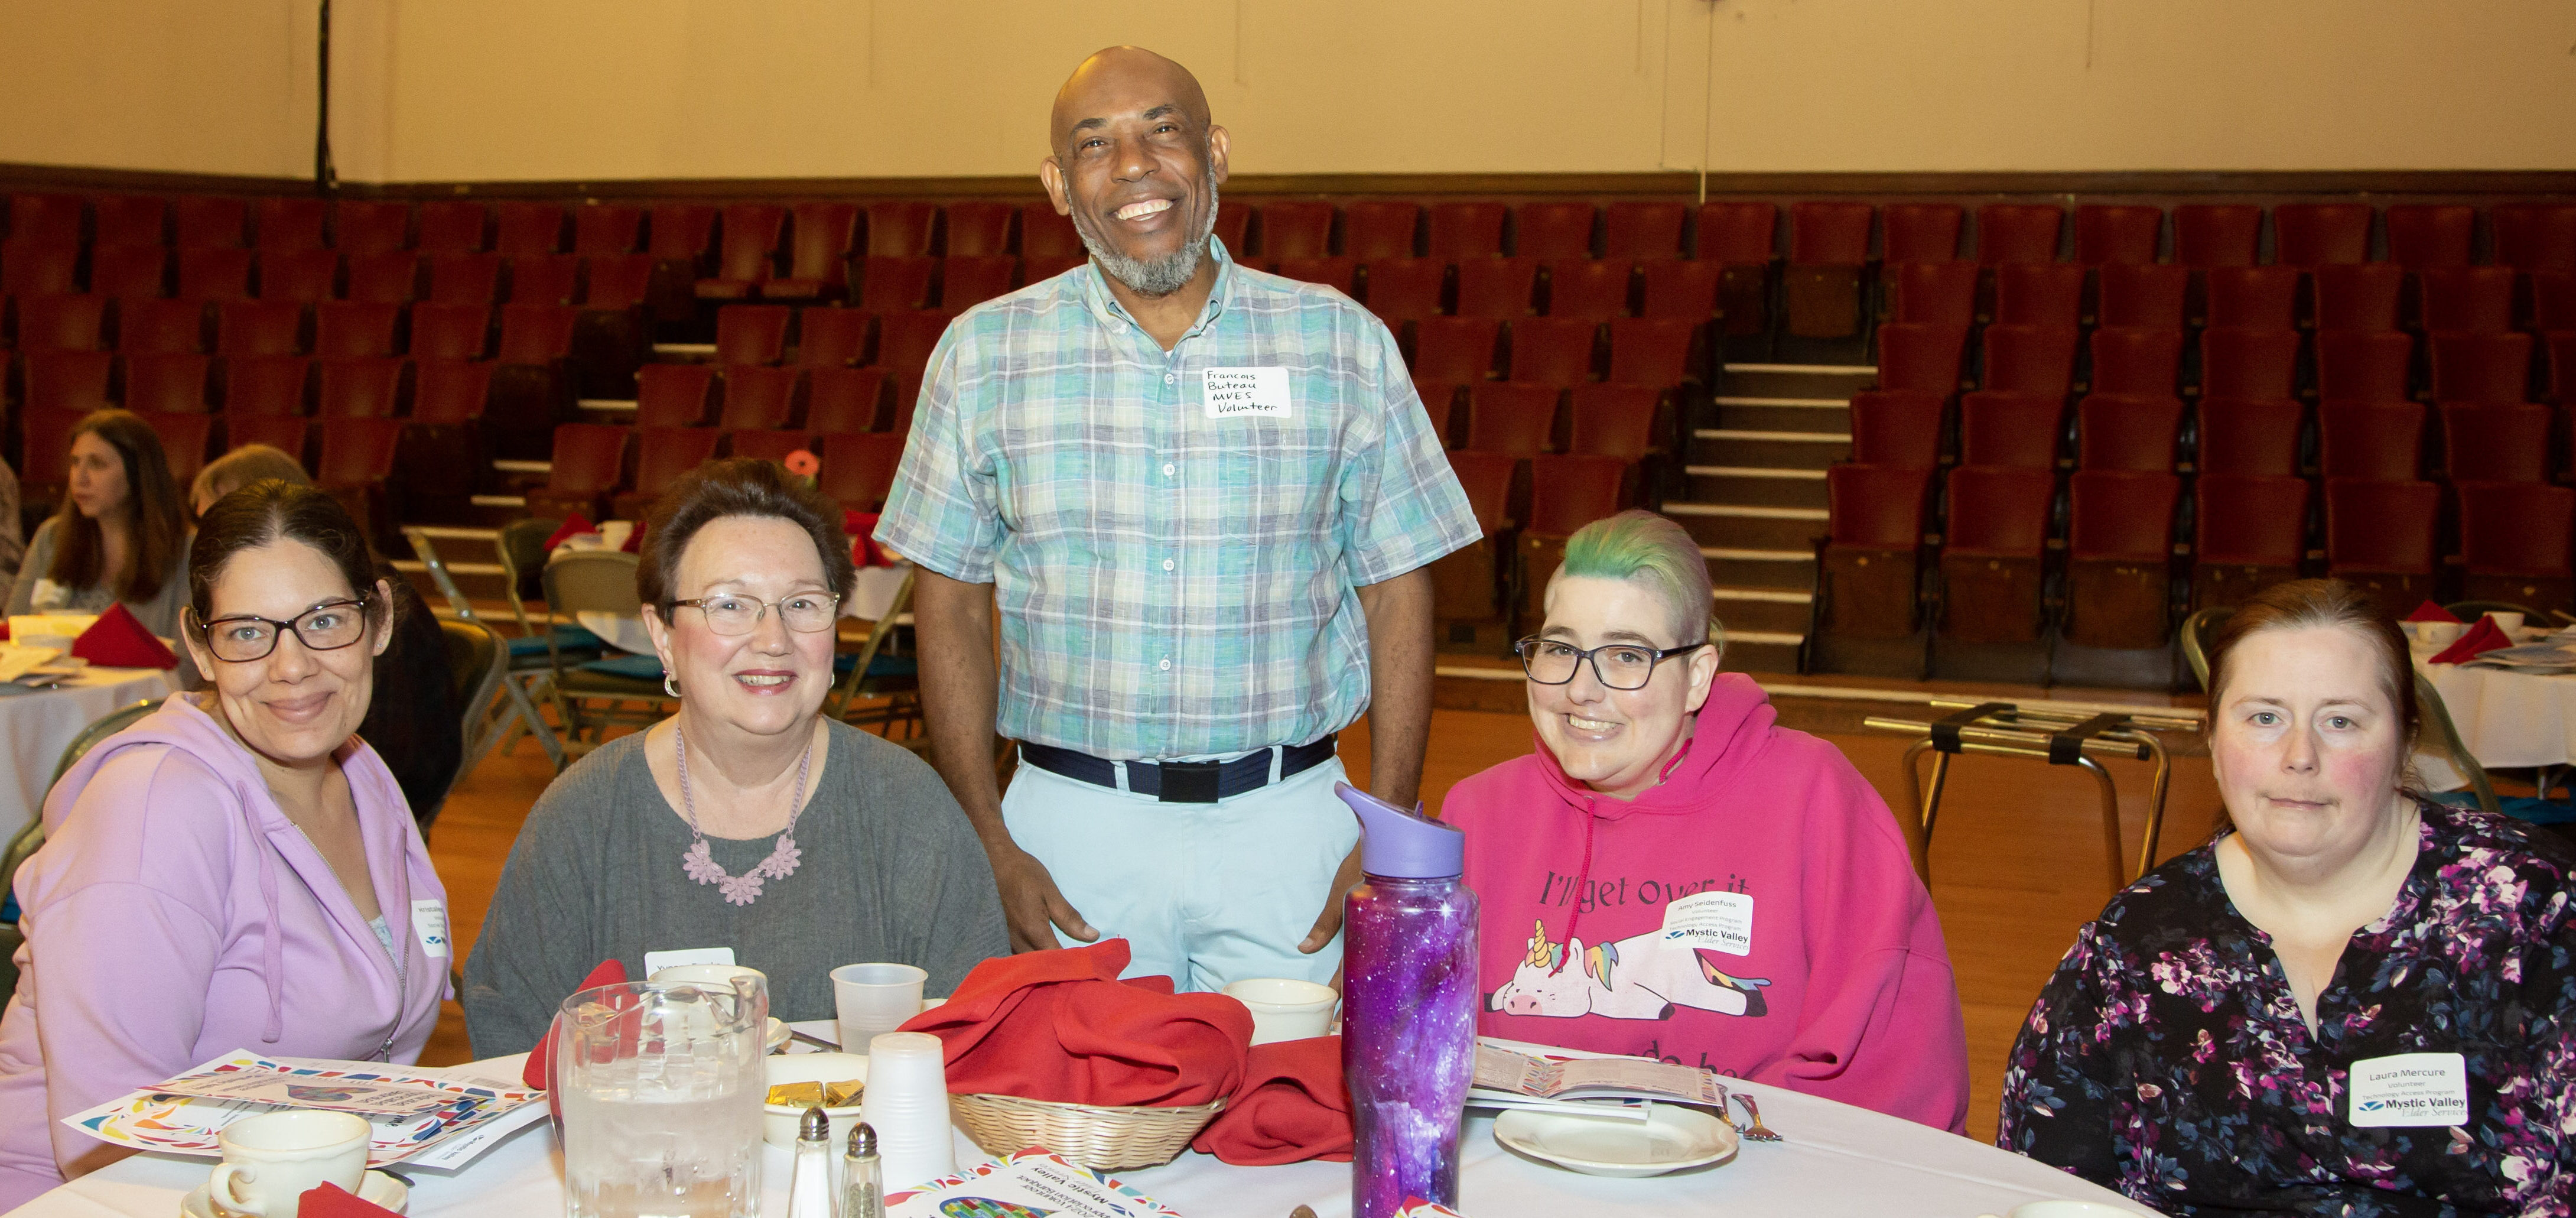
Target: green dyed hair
x=1644 y=548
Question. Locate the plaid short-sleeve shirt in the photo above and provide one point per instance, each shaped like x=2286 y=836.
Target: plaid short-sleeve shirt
x=1174 y=576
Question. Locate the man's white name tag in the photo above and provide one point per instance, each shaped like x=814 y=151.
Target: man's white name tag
x=429 y=921
x=1719 y=921
x=1233 y=392
x=655 y=962
x=2410 y=1089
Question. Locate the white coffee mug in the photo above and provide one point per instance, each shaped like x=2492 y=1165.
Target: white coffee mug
x=2440 y=634
x=2508 y=622
x=272 y=1160
x=1284 y=1008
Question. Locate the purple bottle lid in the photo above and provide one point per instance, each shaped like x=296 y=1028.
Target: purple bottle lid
x=1403 y=845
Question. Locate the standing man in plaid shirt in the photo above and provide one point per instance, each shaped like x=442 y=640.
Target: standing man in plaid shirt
x=1201 y=499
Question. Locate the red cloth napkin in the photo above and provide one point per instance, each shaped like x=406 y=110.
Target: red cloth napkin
x=539 y=1073
x=118 y=640
x=1060 y=1026
x=2430 y=612
x=2481 y=638
x=1292 y=1107
x=332 y=1201
x=864 y=550
x=573 y=526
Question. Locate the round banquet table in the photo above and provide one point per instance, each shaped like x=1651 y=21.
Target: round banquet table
x=2505 y=718
x=36 y=727
x=1835 y=1160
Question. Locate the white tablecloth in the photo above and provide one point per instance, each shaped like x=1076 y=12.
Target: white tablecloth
x=1837 y=1160
x=38 y=726
x=2506 y=718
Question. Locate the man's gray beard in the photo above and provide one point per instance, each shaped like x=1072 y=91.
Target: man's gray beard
x=1162 y=276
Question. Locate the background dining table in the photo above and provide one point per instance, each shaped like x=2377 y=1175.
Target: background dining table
x=37 y=725
x=2507 y=719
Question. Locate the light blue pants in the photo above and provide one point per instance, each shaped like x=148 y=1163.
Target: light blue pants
x=1205 y=894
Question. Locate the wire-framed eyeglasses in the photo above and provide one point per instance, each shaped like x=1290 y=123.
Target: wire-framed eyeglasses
x=804 y=612
x=1618 y=665
x=330 y=626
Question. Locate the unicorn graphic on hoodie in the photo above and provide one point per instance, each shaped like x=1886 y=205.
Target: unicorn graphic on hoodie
x=1639 y=977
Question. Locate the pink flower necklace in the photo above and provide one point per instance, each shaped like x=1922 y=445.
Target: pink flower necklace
x=781 y=863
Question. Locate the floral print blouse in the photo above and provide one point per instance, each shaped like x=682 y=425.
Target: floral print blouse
x=2167 y=1059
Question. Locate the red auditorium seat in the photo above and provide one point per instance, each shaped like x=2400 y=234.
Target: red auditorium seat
x=901 y=228
x=175 y=327
x=1041 y=269
x=2514 y=541
x=672 y=395
x=2528 y=236
x=1651 y=351
x=1405 y=289
x=205 y=222
x=1918 y=356
x=1591 y=289
x=839 y=400
x=1519 y=420
x=1898 y=428
x=525 y=229
x=2252 y=297
x=858 y=469
x=1497 y=287
x=818 y=253
x=832 y=338
x=1738 y=237
x=2562 y=366
x=1920 y=232
x=1614 y=421
x=766 y=445
x=2357 y=296
x=1872 y=555
x=359 y=388
x=2107 y=234
x=442 y=451
x=1459 y=349
x=2311 y=235
x=2039 y=293
x=349 y=329
x=467 y=279
x=2481 y=367
x=388 y=278
x=1681 y=289
x=1552 y=231
x=1441 y=405
x=2149 y=296
x=1566 y=493
x=1553 y=351
x=284 y=432
x=2249 y=363
x=129 y=270
x=1233 y=221
x=746 y=258
x=62 y=323
x=2014 y=430
x=751 y=334
x=1339 y=274
x=2495 y=441
x=378 y=227
x=546 y=279
x=449 y=331
x=892 y=284
x=1935 y=293
x=220 y=274
x=2382 y=441
x=2029 y=359
x=301 y=276
x=588 y=462
x=1460 y=231
x=2468 y=298
x=977 y=228
x=36 y=268
x=2421 y=237
x=290 y=223
x=535 y=333
x=167 y=384
x=449 y=391
x=2018 y=232
x=1379 y=228
x=450 y=226
x=1828 y=245
x=967 y=280
x=757 y=397
x=357 y=467
x=662 y=455
x=259 y=327
x=1643 y=232
x=2216 y=234
x=2251 y=438
x=1288 y=230
x=44 y=461
x=2355 y=364
x=904 y=344
x=129 y=220
x=1463 y=585
x=2127 y=431
x=606 y=230
x=681 y=233
x=2380 y=537
x=1992 y=554
x=266 y=385
x=1046 y=234
x=2119 y=557
x=2136 y=361
x=183 y=438
x=50 y=218
x=2249 y=532
x=2553 y=300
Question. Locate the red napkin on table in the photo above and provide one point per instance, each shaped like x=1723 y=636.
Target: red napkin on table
x=573 y=526
x=118 y=640
x=2430 y=612
x=864 y=550
x=2481 y=638
x=1292 y=1107
x=539 y=1073
x=329 y=1200
x=1060 y=1026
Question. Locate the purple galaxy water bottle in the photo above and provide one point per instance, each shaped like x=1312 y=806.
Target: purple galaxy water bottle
x=1408 y=1006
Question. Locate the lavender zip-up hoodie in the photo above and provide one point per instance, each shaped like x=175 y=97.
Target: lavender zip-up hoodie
x=175 y=914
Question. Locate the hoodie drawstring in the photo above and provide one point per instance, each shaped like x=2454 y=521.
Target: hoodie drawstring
x=1582 y=884
x=273 y=949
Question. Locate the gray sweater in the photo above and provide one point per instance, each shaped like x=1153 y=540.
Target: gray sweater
x=890 y=872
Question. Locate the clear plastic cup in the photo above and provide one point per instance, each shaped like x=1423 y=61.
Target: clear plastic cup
x=868 y=999
x=907 y=1103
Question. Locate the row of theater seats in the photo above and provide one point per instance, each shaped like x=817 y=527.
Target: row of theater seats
x=620 y=471
x=2353 y=297
x=1525 y=508
x=2055 y=361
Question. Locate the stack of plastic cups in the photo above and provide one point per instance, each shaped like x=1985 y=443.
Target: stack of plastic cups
x=907 y=1103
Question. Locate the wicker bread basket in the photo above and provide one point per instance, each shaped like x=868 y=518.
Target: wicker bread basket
x=1100 y=1138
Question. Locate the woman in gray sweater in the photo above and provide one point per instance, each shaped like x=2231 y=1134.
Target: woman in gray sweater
x=120 y=535
x=748 y=821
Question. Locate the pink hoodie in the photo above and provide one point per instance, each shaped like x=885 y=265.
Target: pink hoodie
x=175 y=915
x=1756 y=912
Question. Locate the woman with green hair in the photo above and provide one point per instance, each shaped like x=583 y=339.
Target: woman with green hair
x=1672 y=874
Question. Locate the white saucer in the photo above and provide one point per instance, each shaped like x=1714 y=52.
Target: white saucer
x=375 y=1187
x=1673 y=1138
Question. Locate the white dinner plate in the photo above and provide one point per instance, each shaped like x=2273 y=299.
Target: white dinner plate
x=375 y=1187
x=1672 y=1139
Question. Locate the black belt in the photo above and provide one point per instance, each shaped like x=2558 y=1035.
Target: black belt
x=1181 y=782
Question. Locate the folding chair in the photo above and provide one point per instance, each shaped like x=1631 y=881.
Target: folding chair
x=527 y=673
x=598 y=581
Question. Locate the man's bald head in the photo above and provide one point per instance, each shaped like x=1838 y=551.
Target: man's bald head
x=1124 y=80
x=1137 y=164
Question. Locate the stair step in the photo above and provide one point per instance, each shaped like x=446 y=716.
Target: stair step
x=1743 y=526
x=1743 y=609
x=500 y=501
x=1836 y=381
x=508 y=466
x=1770 y=449
x=456 y=532
x=415 y=566
x=684 y=352
x=1781 y=414
x=1755 y=484
x=1772 y=568
x=1744 y=510
x=608 y=405
x=1765 y=651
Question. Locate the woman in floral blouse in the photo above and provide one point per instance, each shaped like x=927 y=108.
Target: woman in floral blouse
x=2355 y=1003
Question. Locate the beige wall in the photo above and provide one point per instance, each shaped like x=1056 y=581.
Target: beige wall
x=601 y=90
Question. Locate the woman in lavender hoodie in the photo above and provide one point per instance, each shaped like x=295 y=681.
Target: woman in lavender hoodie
x=235 y=871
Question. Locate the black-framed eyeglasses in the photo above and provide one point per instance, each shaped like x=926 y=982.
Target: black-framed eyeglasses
x=804 y=612
x=1618 y=665
x=243 y=638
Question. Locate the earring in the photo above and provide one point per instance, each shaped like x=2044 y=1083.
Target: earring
x=670 y=685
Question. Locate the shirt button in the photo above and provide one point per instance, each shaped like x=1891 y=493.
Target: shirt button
x=1168 y=378
x=1166 y=665
x=1169 y=469
x=1167 y=564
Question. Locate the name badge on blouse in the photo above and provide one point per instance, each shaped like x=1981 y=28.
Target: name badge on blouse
x=655 y=962
x=2410 y=1089
x=429 y=921
x=1718 y=921
x=1234 y=392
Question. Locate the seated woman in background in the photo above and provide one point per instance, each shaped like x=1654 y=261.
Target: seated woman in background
x=235 y=871
x=2352 y=1001
x=412 y=723
x=120 y=535
x=749 y=821
x=1663 y=798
